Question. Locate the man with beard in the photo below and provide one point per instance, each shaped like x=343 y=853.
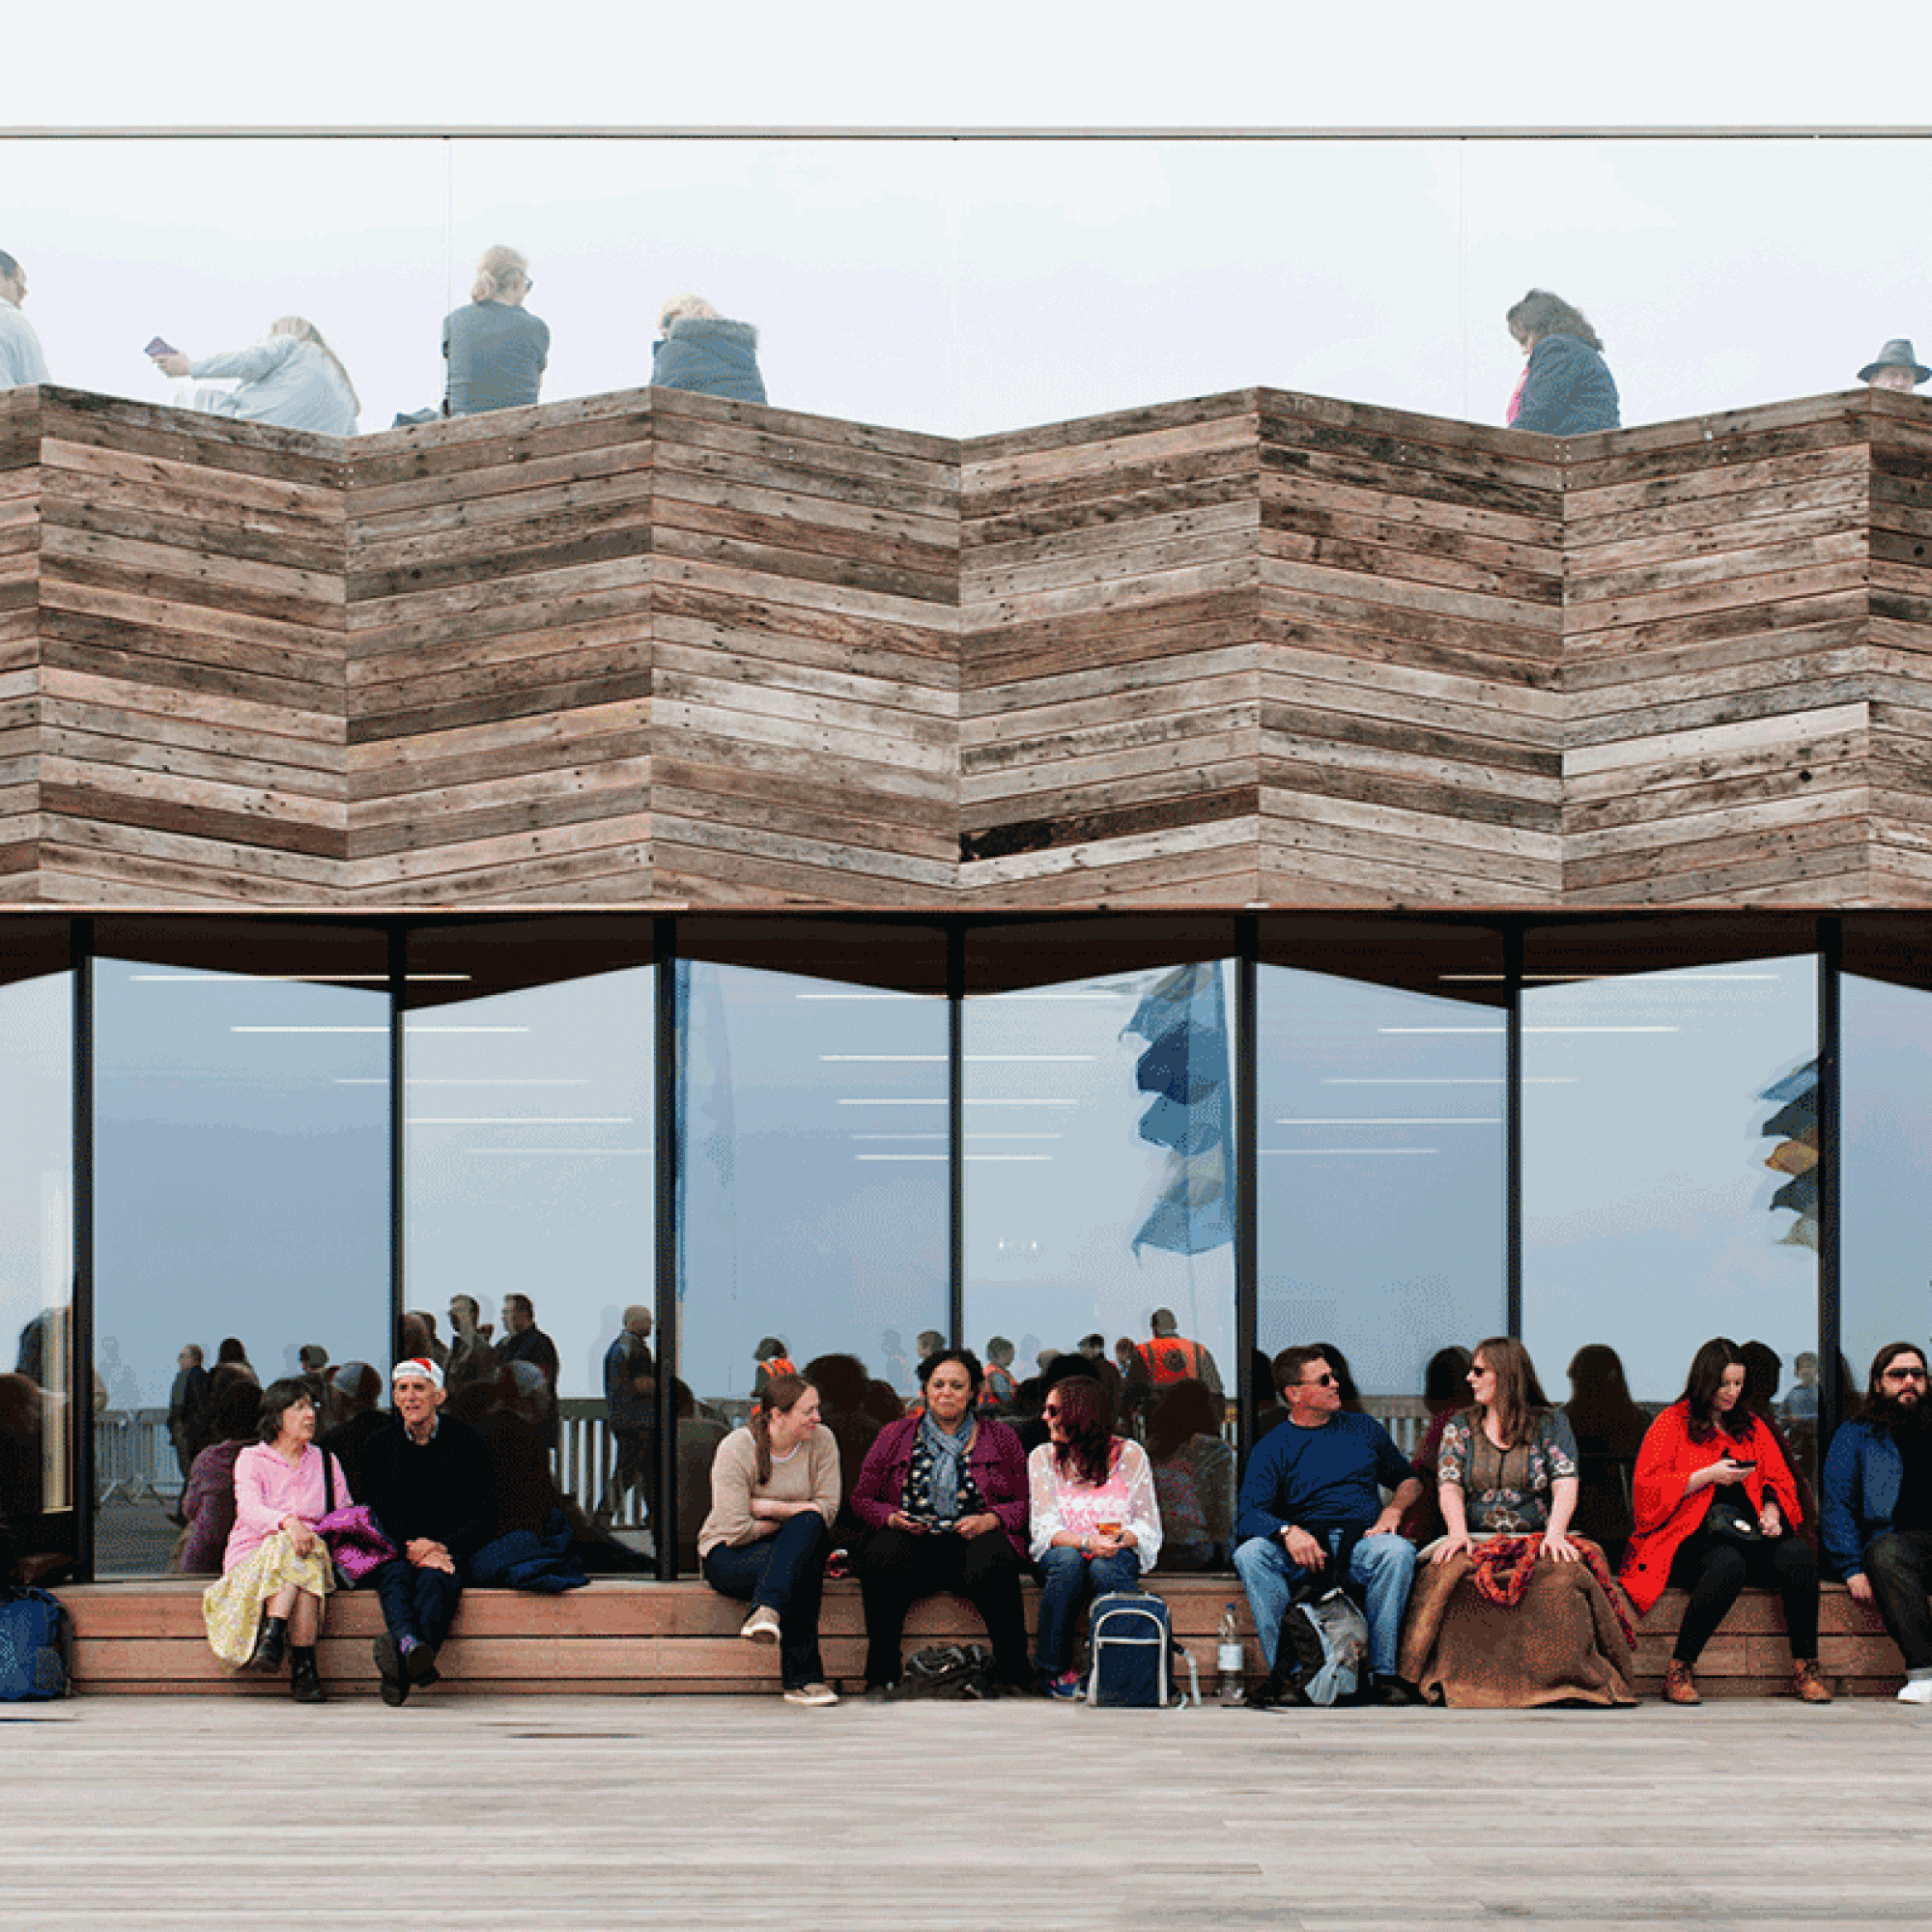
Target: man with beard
x=1877 y=1509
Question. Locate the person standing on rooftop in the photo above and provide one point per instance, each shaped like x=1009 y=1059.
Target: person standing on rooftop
x=1566 y=389
x=496 y=348
x=22 y=362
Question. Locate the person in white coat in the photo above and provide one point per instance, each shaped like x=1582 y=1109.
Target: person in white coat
x=292 y=378
x=22 y=362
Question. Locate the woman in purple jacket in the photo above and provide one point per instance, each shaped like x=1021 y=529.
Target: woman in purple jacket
x=943 y=1495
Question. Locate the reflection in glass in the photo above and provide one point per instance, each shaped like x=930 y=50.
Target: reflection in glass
x=1662 y=1142
x=36 y=1408
x=1100 y=1150
x=1381 y=1164
x=528 y=1136
x=1886 y=1138
x=241 y=1151
x=814 y=1183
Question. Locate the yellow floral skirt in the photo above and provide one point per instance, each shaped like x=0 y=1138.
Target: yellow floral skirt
x=232 y=1609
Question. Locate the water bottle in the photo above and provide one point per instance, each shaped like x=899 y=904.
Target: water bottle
x=1229 y=1660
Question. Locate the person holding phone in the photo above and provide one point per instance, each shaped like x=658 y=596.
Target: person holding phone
x=1095 y=1520
x=1717 y=1507
x=943 y=1497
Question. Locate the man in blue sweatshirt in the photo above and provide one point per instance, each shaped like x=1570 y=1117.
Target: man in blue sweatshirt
x=1311 y=1499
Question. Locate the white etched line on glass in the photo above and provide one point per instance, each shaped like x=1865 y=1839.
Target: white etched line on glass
x=289 y=978
x=1350 y=1153
x=559 y=1153
x=972 y=1058
x=1692 y=976
x=1386 y=1121
x=1443 y=1080
x=454 y=1080
x=1494 y=1031
x=308 y=1029
x=521 y=1121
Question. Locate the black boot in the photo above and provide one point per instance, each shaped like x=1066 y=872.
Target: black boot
x=270 y=1645
x=304 y=1685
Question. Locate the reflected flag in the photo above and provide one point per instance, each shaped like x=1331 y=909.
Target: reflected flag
x=1184 y=1019
x=1794 y=1128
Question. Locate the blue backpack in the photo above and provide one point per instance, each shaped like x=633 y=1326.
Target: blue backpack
x=36 y=1647
x=1131 y=1640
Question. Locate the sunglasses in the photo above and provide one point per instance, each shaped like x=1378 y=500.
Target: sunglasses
x=1321 y=1382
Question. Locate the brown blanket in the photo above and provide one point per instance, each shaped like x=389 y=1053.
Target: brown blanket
x=1561 y=1641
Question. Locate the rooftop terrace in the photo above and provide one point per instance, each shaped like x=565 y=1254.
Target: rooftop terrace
x=1254 y=646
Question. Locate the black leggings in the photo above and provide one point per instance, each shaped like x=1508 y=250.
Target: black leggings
x=1714 y=1570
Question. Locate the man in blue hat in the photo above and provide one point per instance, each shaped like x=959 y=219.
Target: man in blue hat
x=1896 y=368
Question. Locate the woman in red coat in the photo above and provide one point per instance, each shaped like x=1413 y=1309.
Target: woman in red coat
x=1717 y=1507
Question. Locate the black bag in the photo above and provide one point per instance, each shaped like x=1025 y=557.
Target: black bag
x=950 y=1670
x=1735 y=1523
x=1322 y=1655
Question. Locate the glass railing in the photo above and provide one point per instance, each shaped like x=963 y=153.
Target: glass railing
x=969 y=286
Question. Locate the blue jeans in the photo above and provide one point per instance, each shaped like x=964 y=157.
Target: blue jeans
x=1383 y=1565
x=417 y=1602
x=783 y=1573
x=1068 y=1581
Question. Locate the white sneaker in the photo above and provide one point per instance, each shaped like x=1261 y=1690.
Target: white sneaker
x=811 y=1693
x=761 y=1626
x=1917 y=1691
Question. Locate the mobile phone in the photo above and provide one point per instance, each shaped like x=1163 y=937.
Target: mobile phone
x=158 y=347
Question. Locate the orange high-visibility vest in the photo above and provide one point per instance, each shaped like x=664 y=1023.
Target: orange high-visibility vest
x=1171 y=1358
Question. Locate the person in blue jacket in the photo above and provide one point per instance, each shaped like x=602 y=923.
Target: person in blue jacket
x=698 y=349
x=1311 y=1500
x=1876 y=1510
x=1566 y=388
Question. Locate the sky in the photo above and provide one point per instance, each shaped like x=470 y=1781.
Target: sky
x=968 y=286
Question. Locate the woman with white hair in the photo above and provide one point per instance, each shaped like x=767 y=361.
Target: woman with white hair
x=496 y=348
x=294 y=380
x=698 y=349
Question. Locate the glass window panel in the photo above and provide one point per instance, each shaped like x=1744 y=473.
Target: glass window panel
x=813 y=1193
x=348 y=234
x=1667 y=1193
x=529 y=1177
x=1101 y=1159
x=1381 y=1157
x=242 y=1183
x=36 y=1408
x=1886 y=1138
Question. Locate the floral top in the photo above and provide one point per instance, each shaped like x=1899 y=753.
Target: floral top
x=1065 y=1503
x=1506 y=1491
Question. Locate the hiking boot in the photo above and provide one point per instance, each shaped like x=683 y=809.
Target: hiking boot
x=1679 y=1686
x=389 y=1667
x=1806 y=1686
x=305 y=1685
x=270 y=1646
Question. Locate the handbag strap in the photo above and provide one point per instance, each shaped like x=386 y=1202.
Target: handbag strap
x=327 y=1481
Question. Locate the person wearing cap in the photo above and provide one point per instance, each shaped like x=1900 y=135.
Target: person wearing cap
x=1895 y=367
x=428 y=1478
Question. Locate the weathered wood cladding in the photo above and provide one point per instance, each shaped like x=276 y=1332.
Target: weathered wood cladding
x=1256 y=646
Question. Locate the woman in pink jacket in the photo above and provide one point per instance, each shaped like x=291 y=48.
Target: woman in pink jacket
x=275 y=1573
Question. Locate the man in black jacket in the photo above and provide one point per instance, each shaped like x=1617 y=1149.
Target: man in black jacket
x=428 y=1478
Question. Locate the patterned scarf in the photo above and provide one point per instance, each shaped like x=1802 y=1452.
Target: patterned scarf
x=1502 y=1567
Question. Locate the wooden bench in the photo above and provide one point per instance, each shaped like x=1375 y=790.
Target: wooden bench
x=625 y=1637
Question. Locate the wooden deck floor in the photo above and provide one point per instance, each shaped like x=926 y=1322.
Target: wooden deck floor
x=585 y=1812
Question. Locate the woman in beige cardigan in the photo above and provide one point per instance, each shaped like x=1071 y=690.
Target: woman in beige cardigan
x=774 y=1493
